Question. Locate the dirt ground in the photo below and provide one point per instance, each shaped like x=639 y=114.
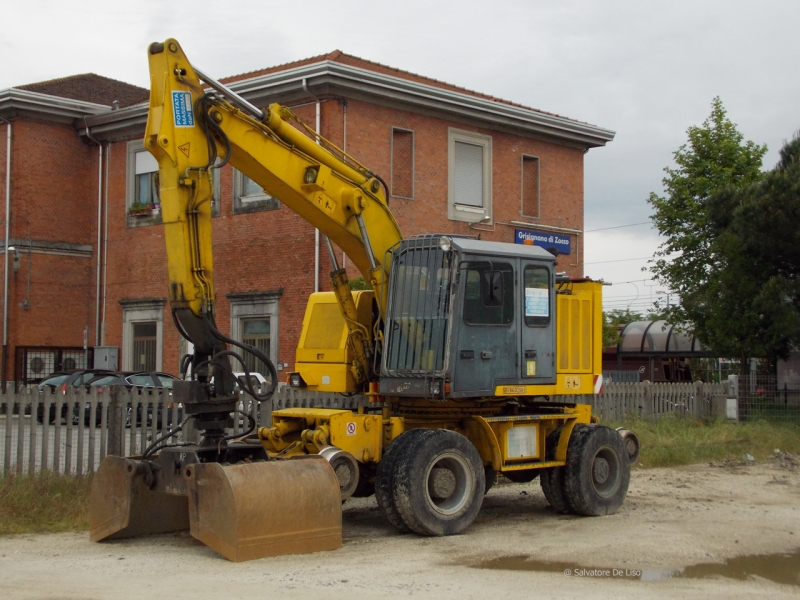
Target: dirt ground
x=673 y=518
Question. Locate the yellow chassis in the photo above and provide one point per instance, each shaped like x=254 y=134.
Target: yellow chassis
x=504 y=442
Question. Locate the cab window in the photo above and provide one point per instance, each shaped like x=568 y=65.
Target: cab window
x=537 y=296
x=489 y=294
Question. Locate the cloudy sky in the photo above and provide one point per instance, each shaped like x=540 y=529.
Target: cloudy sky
x=647 y=70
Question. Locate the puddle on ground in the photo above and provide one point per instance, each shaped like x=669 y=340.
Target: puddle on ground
x=780 y=568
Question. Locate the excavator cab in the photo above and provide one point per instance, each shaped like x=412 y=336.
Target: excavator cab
x=466 y=316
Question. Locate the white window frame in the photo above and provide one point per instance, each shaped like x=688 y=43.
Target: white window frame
x=141 y=311
x=391 y=166
x=256 y=305
x=463 y=212
x=252 y=203
x=134 y=148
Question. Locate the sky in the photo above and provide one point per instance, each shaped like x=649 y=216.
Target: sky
x=646 y=70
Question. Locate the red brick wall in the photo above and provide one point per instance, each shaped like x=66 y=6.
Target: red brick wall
x=55 y=194
x=54 y=199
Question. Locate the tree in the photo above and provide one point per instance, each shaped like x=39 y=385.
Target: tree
x=751 y=306
x=612 y=320
x=714 y=157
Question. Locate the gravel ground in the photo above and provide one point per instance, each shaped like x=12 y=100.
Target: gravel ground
x=517 y=547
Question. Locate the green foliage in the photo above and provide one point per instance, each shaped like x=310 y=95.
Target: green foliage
x=43 y=503
x=359 y=283
x=671 y=441
x=736 y=231
x=751 y=306
x=611 y=324
x=714 y=157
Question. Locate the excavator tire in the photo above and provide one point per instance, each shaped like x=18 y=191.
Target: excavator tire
x=552 y=480
x=384 y=477
x=598 y=471
x=439 y=483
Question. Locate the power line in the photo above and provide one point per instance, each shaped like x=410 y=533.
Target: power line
x=618 y=226
x=618 y=260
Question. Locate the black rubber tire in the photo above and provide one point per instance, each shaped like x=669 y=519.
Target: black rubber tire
x=421 y=510
x=384 y=477
x=552 y=480
x=598 y=471
x=522 y=476
x=490 y=475
x=366 y=482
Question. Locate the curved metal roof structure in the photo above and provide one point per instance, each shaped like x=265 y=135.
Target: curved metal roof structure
x=659 y=338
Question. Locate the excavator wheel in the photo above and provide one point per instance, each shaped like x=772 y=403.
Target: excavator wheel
x=384 y=477
x=552 y=480
x=439 y=483
x=598 y=471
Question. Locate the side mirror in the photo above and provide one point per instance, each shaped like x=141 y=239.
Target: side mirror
x=492 y=288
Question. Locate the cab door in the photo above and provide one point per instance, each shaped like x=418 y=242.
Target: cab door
x=537 y=322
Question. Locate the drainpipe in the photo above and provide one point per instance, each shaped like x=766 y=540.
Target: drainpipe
x=344 y=149
x=316 y=231
x=4 y=358
x=105 y=254
x=99 y=233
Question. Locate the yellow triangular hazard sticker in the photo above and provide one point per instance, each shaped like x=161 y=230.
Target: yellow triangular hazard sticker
x=185 y=149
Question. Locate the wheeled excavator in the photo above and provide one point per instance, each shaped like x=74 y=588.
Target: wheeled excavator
x=476 y=357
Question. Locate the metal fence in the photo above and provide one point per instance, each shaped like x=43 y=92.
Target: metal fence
x=761 y=397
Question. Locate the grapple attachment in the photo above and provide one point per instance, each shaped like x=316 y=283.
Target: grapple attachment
x=249 y=511
x=122 y=505
x=243 y=511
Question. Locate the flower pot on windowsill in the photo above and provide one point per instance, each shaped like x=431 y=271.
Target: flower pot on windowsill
x=146 y=210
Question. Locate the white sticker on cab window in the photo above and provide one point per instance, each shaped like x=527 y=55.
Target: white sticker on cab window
x=537 y=302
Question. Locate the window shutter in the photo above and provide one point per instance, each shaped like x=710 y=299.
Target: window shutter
x=468 y=174
x=145 y=163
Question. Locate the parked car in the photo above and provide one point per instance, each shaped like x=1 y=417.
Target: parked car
x=140 y=381
x=59 y=381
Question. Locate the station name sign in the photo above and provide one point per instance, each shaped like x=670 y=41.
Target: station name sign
x=546 y=240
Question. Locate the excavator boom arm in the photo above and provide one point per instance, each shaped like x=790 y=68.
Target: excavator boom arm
x=344 y=201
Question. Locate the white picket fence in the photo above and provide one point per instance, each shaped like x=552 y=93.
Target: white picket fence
x=86 y=426
x=646 y=399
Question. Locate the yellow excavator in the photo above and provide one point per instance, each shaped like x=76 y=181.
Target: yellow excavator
x=476 y=356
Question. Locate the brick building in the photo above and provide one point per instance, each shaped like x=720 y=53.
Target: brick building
x=79 y=261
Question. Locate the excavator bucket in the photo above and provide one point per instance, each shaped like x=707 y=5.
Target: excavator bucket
x=252 y=510
x=121 y=505
x=243 y=511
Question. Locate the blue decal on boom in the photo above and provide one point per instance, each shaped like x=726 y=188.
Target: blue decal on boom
x=182 y=109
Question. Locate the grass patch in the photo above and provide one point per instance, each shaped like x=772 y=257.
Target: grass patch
x=43 y=503
x=671 y=441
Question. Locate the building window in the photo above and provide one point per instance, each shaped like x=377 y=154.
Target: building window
x=254 y=315
x=142 y=334
x=402 y=163
x=142 y=204
x=530 y=186
x=249 y=197
x=469 y=181
x=144 y=345
x=255 y=332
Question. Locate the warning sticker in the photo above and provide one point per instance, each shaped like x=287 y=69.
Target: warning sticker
x=185 y=149
x=351 y=429
x=182 y=109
